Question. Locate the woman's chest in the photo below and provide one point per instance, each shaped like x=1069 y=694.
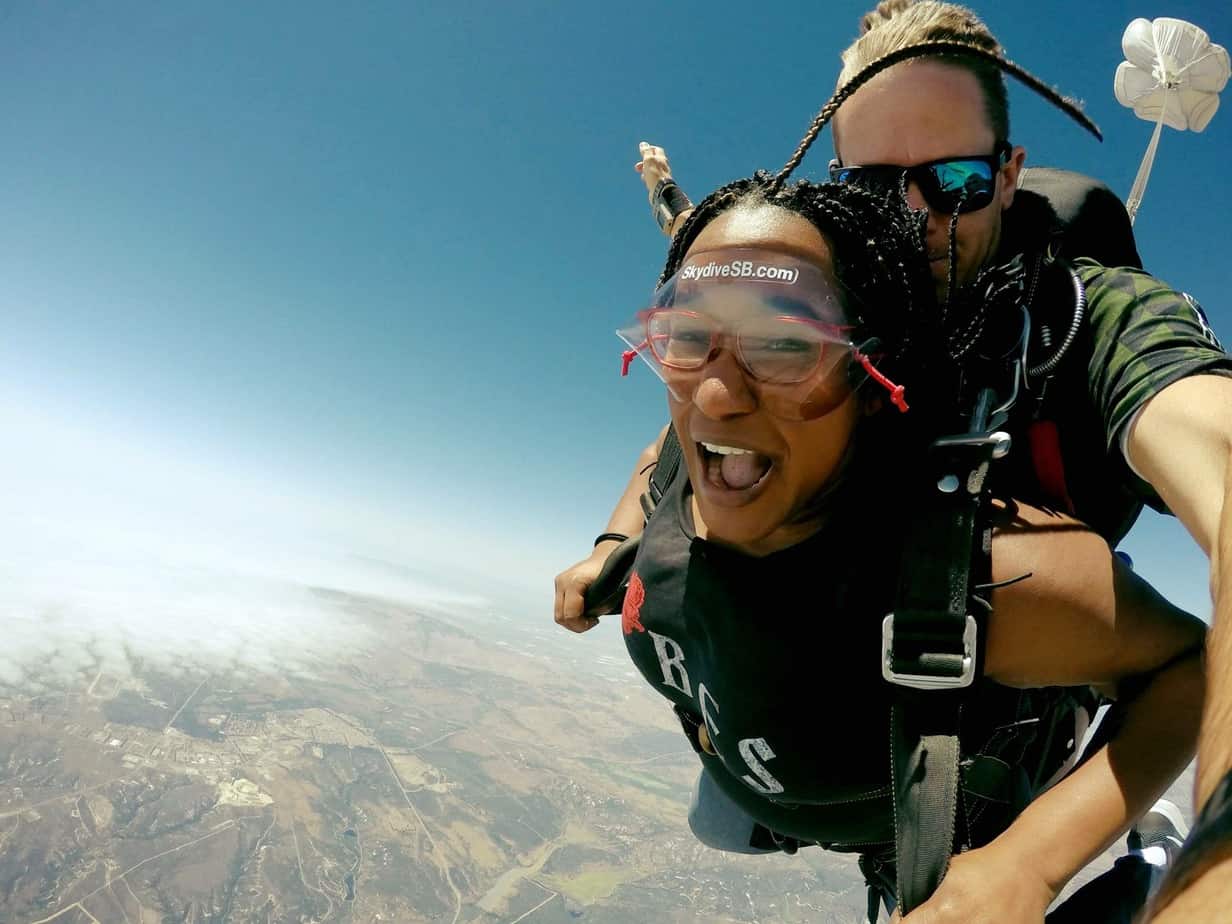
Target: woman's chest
x=780 y=665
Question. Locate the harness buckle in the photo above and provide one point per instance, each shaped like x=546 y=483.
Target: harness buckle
x=928 y=681
x=997 y=443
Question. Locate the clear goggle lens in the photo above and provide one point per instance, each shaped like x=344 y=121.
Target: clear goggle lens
x=772 y=350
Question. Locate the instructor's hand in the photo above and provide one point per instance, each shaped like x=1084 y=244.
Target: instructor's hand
x=571 y=587
x=984 y=886
x=653 y=166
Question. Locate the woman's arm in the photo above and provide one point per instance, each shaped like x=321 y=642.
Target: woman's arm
x=627 y=520
x=1084 y=618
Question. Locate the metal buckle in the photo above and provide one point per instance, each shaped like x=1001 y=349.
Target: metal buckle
x=927 y=681
x=998 y=441
x=991 y=446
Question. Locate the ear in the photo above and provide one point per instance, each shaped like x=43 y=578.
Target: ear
x=871 y=403
x=1010 y=172
x=869 y=400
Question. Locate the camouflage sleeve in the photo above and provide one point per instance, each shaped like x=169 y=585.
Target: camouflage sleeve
x=1146 y=336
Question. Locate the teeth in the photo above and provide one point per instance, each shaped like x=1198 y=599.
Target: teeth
x=726 y=450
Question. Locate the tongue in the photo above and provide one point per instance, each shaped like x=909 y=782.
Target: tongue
x=744 y=470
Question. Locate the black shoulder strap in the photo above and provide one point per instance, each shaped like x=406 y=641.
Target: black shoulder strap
x=663 y=473
x=606 y=594
x=930 y=652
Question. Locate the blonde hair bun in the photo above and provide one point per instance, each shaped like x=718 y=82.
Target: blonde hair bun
x=885 y=11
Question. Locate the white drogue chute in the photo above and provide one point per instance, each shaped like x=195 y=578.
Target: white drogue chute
x=1172 y=75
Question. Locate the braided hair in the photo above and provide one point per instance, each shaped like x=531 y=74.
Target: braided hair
x=877 y=245
x=877 y=242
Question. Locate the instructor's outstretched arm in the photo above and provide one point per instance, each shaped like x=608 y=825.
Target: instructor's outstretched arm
x=1182 y=443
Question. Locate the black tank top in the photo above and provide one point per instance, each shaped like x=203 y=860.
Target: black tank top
x=779 y=657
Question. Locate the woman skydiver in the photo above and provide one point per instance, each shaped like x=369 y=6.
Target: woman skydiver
x=785 y=323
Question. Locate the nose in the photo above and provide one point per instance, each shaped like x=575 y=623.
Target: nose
x=723 y=391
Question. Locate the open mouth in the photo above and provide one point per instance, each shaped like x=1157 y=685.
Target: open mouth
x=734 y=473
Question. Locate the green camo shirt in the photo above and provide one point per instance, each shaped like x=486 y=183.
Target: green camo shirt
x=1139 y=336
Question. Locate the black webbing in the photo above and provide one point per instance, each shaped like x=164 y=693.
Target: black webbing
x=607 y=593
x=924 y=758
x=663 y=473
x=931 y=637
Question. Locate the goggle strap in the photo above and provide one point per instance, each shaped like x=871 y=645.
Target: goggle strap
x=896 y=391
x=627 y=357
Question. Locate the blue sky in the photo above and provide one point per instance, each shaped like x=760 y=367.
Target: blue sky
x=347 y=277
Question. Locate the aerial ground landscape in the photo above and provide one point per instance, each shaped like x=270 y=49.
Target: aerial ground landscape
x=440 y=766
x=438 y=771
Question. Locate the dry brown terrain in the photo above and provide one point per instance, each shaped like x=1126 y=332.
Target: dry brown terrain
x=460 y=771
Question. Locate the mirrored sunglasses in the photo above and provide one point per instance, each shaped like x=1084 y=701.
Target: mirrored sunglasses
x=949 y=185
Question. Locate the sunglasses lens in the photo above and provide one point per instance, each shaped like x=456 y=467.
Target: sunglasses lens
x=842 y=174
x=679 y=339
x=874 y=179
x=963 y=184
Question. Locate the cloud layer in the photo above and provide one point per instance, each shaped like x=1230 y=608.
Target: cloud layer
x=112 y=552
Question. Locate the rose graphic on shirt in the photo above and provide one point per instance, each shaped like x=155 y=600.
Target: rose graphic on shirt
x=634 y=598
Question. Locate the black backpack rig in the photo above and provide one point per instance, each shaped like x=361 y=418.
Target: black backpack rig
x=931 y=647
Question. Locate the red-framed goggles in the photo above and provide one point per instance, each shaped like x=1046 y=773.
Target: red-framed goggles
x=782 y=319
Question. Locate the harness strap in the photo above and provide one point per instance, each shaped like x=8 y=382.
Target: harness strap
x=664 y=471
x=606 y=594
x=924 y=757
x=929 y=645
x=930 y=652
